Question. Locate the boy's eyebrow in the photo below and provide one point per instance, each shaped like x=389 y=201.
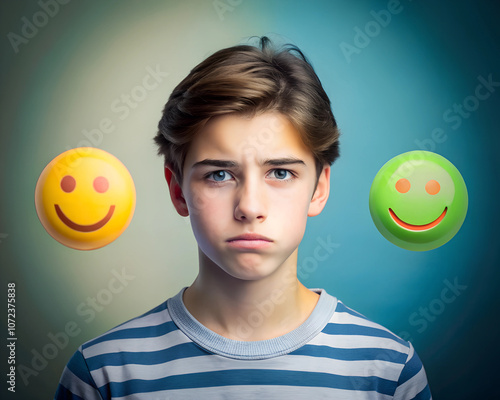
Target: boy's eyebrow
x=215 y=163
x=275 y=162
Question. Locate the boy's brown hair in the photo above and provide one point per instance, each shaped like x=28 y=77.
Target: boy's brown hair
x=249 y=80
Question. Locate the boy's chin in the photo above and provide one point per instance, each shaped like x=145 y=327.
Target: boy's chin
x=243 y=266
x=251 y=271
x=246 y=275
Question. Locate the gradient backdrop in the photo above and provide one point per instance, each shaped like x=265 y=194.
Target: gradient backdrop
x=391 y=87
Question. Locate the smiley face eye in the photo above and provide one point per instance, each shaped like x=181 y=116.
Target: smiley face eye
x=68 y=184
x=403 y=185
x=101 y=184
x=432 y=187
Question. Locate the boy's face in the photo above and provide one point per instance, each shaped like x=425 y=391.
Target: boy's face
x=246 y=176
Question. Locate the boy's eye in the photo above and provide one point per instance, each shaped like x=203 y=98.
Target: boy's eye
x=281 y=174
x=223 y=176
x=219 y=176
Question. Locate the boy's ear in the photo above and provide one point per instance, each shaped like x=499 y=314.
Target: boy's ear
x=176 y=193
x=321 y=193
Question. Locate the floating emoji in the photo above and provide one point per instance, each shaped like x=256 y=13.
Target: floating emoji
x=418 y=200
x=85 y=198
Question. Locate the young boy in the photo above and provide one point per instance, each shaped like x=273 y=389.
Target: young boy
x=248 y=139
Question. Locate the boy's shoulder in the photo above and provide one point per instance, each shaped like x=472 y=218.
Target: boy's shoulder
x=153 y=323
x=349 y=321
x=350 y=329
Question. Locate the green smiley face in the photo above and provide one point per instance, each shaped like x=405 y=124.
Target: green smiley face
x=418 y=200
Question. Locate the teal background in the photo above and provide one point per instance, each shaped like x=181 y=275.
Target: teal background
x=388 y=97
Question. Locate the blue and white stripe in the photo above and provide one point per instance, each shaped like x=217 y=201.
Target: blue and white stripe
x=167 y=354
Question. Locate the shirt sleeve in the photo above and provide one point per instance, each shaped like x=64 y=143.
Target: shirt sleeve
x=412 y=383
x=76 y=382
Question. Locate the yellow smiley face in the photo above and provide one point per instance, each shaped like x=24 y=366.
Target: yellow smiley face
x=85 y=198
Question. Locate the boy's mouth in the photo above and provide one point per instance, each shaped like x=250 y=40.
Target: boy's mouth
x=249 y=241
x=249 y=236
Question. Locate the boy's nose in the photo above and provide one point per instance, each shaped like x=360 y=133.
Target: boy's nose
x=251 y=202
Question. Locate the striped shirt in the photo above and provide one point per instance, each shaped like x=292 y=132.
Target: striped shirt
x=167 y=354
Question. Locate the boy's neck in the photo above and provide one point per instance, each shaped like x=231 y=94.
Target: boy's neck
x=249 y=310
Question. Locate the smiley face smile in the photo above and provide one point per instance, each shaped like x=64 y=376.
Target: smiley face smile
x=413 y=227
x=84 y=228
